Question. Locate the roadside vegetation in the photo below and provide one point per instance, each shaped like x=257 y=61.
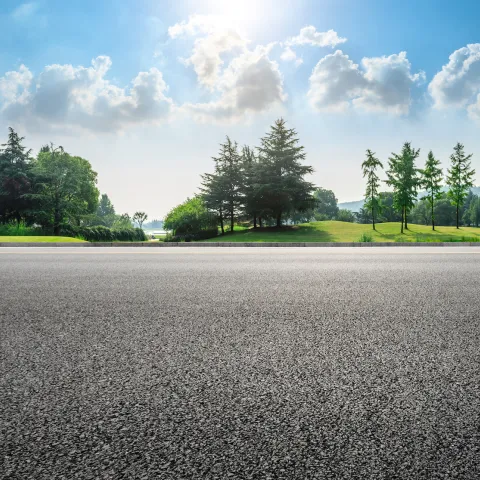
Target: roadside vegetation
x=260 y=193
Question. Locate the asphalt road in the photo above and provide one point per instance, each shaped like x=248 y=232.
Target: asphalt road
x=240 y=363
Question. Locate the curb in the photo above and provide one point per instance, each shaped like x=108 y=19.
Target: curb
x=240 y=244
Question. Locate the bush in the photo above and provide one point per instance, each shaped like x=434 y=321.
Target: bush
x=19 y=230
x=366 y=238
x=192 y=237
x=99 y=233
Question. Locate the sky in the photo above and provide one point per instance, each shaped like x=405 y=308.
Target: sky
x=147 y=90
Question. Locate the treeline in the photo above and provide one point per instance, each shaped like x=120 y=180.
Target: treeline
x=406 y=179
x=56 y=193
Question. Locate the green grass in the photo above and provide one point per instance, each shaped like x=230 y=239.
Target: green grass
x=333 y=231
x=38 y=238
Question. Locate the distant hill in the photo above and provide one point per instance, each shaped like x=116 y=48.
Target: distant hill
x=356 y=206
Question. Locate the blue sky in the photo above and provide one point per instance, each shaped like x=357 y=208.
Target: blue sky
x=170 y=79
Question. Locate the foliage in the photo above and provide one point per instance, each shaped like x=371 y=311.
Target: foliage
x=122 y=222
x=472 y=214
x=369 y=168
x=139 y=218
x=389 y=213
x=459 y=178
x=365 y=238
x=282 y=188
x=15 y=179
x=105 y=206
x=191 y=216
x=403 y=177
x=345 y=215
x=326 y=203
x=431 y=180
x=65 y=188
x=100 y=233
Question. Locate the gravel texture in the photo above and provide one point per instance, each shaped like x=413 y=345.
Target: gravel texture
x=243 y=363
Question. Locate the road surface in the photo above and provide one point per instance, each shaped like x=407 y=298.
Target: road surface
x=219 y=363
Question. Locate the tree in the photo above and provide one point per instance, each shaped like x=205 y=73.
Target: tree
x=431 y=179
x=345 y=215
x=474 y=211
x=459 y=178
x=15 y=179
x=284 y=189
x=251 y=187
x=223 y=189
x=402 y=176
x=362 y=216
x=325 y=203
x=122 y=222
x=191 y=216
x=389 y=213
x=105 y=206
x=140 y=218
x=65 y=187
x=369 y=167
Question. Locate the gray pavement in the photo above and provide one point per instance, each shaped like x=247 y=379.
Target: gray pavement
x=240 y=363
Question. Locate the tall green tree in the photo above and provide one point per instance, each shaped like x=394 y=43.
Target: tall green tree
x=326 y=203
x=473 y=212
x=460 y=178
x=403 y=177
x=369 y=167
x=140 y=218
x=284 y=188
x=251 y=186
x=65 y=188
x=105 y=206
x=431 y=179
x=223 y=188
x=15 y=179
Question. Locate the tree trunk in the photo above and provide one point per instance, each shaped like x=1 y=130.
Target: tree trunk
x=255 y=221
x=260 y=221
x=279 y=220
x=401 y=225
x=406 y=225
x=221 y=222
x=457 y=215
x=433 y=217
x=232 y=220
x=373 y=217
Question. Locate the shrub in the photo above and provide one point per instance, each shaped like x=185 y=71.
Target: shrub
x=99 y=233
x=366 y=238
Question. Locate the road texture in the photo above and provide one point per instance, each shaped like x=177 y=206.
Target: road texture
x=243 y=363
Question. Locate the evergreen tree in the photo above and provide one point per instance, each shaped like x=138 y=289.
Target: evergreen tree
x=459 y=178
x=15 y=179
x=369 y=167
x=222 y=190
x=402 y=176
x=251 y=189
x=431 y=179
x=284 y=189
x=105 y=207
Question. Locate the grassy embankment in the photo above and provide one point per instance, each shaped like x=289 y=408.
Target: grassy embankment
x=38 y=238
x=333 y=231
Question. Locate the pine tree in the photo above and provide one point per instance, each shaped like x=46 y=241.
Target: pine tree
x=15 y=178
x=223 y=190
x=370 y=166
x=403 y=177
x=251 y=188
x=431 y=179
x=283 y=187
x=459 y=178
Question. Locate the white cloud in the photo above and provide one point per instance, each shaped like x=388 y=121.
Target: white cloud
x=25 y=10
x=309 y=36
x=68 y=96
x=384 y=84
x=288 y=55
x=252 y=83
x=207 y=52
x=458 y=83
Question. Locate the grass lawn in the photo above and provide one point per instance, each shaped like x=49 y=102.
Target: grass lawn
x=333 y=231
x=38 y=238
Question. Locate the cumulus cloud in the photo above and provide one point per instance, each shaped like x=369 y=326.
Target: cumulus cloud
x=288 y=55
x=68 y=96
x=207 y=52
x=251 y=83
x=309 y=36
x=458 y=83
x=383 y=83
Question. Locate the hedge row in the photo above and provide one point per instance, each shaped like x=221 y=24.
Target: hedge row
x=191 y=237
x=105 y=234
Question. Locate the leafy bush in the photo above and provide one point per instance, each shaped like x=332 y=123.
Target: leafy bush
x=366 y=238
x=190 y=217
x=19 y=230
x=100 y=233
x=192 y=237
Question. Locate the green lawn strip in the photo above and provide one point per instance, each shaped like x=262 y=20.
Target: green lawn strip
x=334 y=231
x=38 y=238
